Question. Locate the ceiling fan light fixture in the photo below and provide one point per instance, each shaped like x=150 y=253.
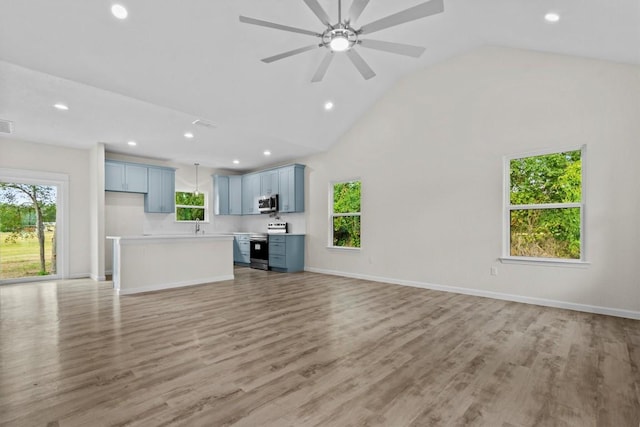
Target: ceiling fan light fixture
x=339 y=43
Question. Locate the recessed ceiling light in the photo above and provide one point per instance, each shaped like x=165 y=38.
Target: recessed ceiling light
x=61 y=107
x=235 y=162
x=328 y=105
x=132 y=143
x=267 y=153
x=552 y=17
x=188 y=135
x=119 y=11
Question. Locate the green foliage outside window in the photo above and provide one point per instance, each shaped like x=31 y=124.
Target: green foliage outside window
x=184 y=209
x=346 y=203
x=546 y=232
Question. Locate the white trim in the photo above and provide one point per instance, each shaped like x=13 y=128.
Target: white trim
x=344 y=248
x=551 y=262
x=61 y=181
x=206 y=219
x=80 y=276
x=629 y=314
x=507 y=207
x=162 y=286
x=30 y=279
x=332 y=214
x=98 y=278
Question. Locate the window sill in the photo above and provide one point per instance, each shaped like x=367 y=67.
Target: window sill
x=546 y=262
x=344 y=248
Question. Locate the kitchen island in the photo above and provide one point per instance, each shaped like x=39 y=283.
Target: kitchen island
x=155 y=262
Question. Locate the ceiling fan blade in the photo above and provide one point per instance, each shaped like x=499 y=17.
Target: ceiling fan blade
x=322 y=69
x=289 y=53
x=417 y=12
x=398 y=48
x=360 y=64
x=356 y=9
x=268 y=24
x=318 y=11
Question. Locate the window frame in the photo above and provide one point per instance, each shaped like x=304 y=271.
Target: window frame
x=205 y=207
x=508 y=208
x=333 y=215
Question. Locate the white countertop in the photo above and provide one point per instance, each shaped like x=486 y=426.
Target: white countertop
x=218 y=236
x=268 y=234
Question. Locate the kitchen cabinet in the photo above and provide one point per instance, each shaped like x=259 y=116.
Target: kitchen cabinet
x=160 y=197
x=235 y=195
x=227 y=191
x=221 y=195
x=239 y=194
x=269 y=182
x=250 y=194
x=241 y=249
x=291 y=187
x=125 y=177
x=286 y=253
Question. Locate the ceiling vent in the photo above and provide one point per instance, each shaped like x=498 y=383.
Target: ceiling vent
x=6 y=126
x=204 y=123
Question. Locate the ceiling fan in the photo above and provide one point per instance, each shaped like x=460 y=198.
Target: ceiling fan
x=343 y=37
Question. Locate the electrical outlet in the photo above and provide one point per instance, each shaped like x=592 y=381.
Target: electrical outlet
x=494 y=271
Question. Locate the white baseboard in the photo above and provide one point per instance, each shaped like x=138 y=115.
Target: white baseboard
x=98 y=278
x=181 y=284
x=79 y=276
x=629 y=314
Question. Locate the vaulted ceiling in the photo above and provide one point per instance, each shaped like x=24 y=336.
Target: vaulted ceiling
x=148 y=77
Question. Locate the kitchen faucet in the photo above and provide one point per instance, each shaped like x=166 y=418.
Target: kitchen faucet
x=197 y=225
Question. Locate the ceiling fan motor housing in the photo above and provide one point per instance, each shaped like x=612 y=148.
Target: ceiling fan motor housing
x=339 y=39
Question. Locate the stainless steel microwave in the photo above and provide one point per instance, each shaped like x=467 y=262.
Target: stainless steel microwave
x=268 y=204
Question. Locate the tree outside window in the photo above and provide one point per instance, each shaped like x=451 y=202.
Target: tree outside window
x=190 y=206
x=545 y=206
x=345 y=214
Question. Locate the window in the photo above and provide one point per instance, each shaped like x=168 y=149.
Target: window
x=190 y=206
x=544 y=202
x=345 y=214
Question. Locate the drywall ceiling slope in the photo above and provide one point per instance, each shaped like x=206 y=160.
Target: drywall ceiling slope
x=171 y=62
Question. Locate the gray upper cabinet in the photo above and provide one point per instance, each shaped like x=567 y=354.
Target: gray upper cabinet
x=126 y=177
x=161 y=195
x=269 y=182
x=250 y=194
x=239 y=194
x=227 y=191
x=235 y=195
x=291 y=187
x=221 y=194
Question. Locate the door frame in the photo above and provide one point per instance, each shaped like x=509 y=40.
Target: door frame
x=61 y=182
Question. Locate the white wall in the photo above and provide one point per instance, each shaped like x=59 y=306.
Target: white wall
x=68 y=161
x=430 y=156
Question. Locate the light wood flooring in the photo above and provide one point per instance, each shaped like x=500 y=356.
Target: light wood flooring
x=270 y=349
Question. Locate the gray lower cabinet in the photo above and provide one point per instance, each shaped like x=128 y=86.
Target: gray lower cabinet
x=286 y=253
x=241 y=248
x=162 y=188
x=125 y=177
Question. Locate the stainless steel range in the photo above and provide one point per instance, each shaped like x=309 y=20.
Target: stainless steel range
x=259 y=245
x=259 y=251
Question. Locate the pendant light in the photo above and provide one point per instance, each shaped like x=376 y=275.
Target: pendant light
x=196 y=165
